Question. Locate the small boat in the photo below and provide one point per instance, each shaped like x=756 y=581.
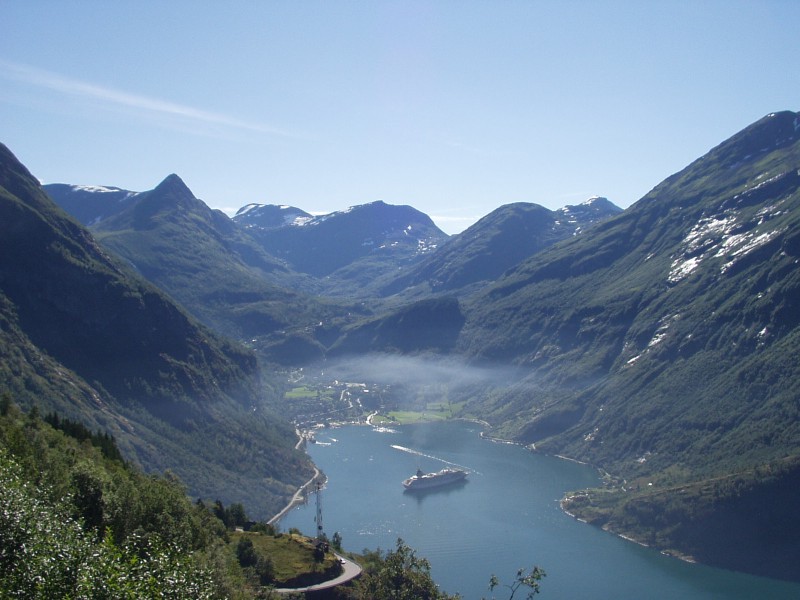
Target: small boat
x=424 y=481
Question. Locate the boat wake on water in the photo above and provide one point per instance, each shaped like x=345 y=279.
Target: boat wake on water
x=447 y=462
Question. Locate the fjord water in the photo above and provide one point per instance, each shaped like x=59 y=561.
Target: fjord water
x=504 y=518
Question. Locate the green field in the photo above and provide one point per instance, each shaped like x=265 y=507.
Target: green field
x=292 y=557
x=434 y=411
x=304 y=391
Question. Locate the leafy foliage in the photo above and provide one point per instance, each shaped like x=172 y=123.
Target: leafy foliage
x=398 y=574
x=75 y=525
x=80 y=432
x=529 y=579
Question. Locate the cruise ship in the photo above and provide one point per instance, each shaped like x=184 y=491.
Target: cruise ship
x=424 y=481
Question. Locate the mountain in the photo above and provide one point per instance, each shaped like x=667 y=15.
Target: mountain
x=430 y=325
x=661 y=348
x=210 y=265
x=658 y=344
x=270 y=216
x=375 y=235
x=90 y=203
x=499 y=241
x=83 y=336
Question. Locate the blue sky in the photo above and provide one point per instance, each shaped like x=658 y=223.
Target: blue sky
x=455 y=108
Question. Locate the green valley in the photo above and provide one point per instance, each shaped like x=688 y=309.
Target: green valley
x=656 y=343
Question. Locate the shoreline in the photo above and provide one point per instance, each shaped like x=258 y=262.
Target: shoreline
x=297 y=497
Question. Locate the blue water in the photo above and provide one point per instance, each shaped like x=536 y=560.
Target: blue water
x=505 y=517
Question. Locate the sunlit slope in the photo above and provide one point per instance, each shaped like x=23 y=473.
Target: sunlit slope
x=680 y=312
x=663 y=347
x=497 y=242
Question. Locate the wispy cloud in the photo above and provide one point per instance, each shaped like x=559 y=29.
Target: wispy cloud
x=113 y=98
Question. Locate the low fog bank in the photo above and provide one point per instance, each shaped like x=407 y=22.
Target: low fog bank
x=422 y=370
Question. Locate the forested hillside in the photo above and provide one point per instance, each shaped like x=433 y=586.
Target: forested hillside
x=77 y=521
x=84 y=336
x=661 y=346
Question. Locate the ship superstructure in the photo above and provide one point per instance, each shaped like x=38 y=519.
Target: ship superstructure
x=423 y=481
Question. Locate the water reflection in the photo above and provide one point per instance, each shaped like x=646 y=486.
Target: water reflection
x=444 y=490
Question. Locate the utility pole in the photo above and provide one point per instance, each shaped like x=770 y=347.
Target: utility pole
x=318 y=518
x=322 y=542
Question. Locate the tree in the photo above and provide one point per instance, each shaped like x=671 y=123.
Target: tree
x=87 y=497
x=400 y=575
x=235 y=515
x=219 y=511
x=246 y=553
x=336 y=540
x=530 y=580
x=5 y=403
x=265 y=569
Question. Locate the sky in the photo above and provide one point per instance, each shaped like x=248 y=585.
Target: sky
x=453 y=107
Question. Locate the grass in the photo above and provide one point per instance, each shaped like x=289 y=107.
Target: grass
x=434 y=411
x=301 y=392
x=405 y=417
x=292 y=555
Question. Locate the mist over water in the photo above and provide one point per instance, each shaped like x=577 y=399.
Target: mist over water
x=421 y=370
x=506 y=516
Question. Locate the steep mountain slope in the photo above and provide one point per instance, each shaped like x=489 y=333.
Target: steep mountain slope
x=211 y=266
x=378 y=234
x=85 y=338
x=499 y=241
x=430 y=325
x=662 y=346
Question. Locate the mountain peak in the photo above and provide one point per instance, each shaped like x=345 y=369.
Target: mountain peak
x=775 y=130
x=174 y=185
x=591 y=210
x=594 y=200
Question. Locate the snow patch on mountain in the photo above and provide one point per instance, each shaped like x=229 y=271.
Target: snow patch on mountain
x=743 y=245
x=299 y=221
x=99 y=189
x=246 y=209
x=104 y=189
x=681 y=269
x=659 y=336
x=726 y=236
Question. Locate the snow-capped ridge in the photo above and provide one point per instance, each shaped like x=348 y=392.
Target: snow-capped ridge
x=97 y=189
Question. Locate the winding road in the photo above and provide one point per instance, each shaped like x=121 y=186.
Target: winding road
x=350 y=571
